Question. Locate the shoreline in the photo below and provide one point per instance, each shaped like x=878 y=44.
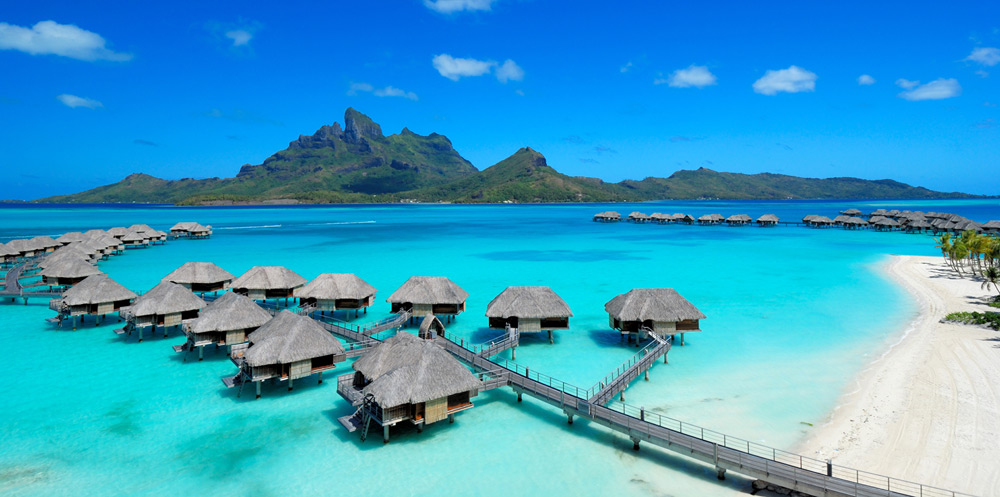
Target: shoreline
x=927 y=408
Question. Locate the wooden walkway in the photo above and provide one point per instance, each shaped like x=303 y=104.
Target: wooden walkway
x=618 y=380
x=14 y=289
x=725 y=453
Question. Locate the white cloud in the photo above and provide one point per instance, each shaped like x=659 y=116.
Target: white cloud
x=359 y=87
x=73 y=101
x=240 y=37
x=982 y=74
x=626 y=67
x=50 y=37
x=455 y=68
x=692 y=76
x=906 y=84
x=866 y=80
x=388 y=91
x=509 y=71
x=792 y=80
x=987 y=56
x=452 y=6
x=935 y=90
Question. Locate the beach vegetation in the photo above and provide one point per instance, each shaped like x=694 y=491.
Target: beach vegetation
x=987 y=319
x=971 y=254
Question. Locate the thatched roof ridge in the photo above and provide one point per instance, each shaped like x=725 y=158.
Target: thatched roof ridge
x=45 y=241
x=739 y=218
x=920 y=223
x=268 y=278
x=711 y=218
x=333 y=286
x=841 y=219
x=67 y=252
x=94 y=233
x=851 y=212
x=96 y=289
x=72 y=236
x=528 y=302
x=288 y=338
x=657 y=304
x=856 y=221
x=821 y=220
x=6 y=251
x=231 y=311
x=637 y=215
x=70 y=268
x=428 y=290
x=183 y=226
x=133 y=237
x=141 y=228
x=198 y=272
x=408 y=370
x=879 y=212
x=166 y=298
x=768 y=218
x=117 y=231
x=992 y=225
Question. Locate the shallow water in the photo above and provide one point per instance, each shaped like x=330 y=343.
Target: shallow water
x=793 y=313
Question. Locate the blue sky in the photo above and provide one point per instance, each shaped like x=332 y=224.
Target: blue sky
x=616 y=90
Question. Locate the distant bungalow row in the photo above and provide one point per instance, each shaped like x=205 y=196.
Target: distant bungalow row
x=881 y=220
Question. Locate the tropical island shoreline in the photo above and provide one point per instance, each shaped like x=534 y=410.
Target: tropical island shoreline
x=927 y=408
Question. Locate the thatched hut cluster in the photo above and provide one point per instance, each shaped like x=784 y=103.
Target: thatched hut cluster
x=408 y=379
x=286 y=348
x=224 y=321
x=607 y=217
x=739 y=220
x=97 y=295
x=190 y=230
x=167 y=305
x=268 y=282
x=638 y=217
x=661 y=310
x=201 y=277
x=67 y=272
x=767 y=220
x=530 y=309
x=422 y=295
x=708 y=219
x=337 y=291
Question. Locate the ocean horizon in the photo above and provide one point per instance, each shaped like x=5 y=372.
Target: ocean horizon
x=793 y=315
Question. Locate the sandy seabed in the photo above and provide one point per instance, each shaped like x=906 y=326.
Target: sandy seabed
x=927 y=410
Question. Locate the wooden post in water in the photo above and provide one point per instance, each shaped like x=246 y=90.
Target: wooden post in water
x=682 y=339
x=320 y=378
x=385 y=434
x=550 y=337
x=635 y=444
x=258 y=389
x=201 y=353
x=289 y=383
x=140 y=332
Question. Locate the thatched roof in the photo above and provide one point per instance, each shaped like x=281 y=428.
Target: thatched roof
x=141 y=228
x=45 y=241
x=808 y=218
x=289 y=338
x=6 y=251
x=184 y=226
x=841 y=219
x=850 y=212
x=133 y=237
x=72 y=236
x=637 y=215
x=231 y=311
x=920 y=224
x=886 y=222
x=166 y=298
x=992 y=225
x=657 y=304
x=23 y=245
x=333 y=286
x=428 y=290
x=738 y=218
x=64 y=253
x=528 y=302
x=408 y=370
x=117 y=231
x=96 y=289
x=879 y=212
x=684 y=217
x=70 y=268
x=711 y=218
x=767 y=218
x=268 y=278
x=821 y=220
x=856 y=221
x=198 y=273
x=94 y=233
x=86 y=247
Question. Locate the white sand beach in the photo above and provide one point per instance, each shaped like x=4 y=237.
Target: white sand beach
x=928 y=409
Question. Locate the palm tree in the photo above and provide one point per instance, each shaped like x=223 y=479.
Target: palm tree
x=991 y=276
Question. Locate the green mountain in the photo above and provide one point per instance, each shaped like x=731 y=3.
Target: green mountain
x=358 y=164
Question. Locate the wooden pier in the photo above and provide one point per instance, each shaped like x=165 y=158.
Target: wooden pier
x=13 y=289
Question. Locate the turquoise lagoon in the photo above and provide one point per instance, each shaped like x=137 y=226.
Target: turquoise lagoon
x=793 y=314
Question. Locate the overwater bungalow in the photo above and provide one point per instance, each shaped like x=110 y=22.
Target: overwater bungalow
x=661 y=310
x=71 y=237
x=422 y=295
x=607 y=216
x=918 y=226
x=767 y=220
x=530 y=309
x=286 y=348
x=67 y=272
x=738 y=220
x=683 y=218
x=156 y=237
x=167 y=305
x=8 y=256
x=807 y=219
x=134 y=239
x=85 y=248
x=711 y=219
x=117 y=231
x=141 y=228
x=851 y=212
x=24 y=248
x=406 y=379
x=638 y=217
x=885 y=224
x=337 y=291
x=201 y=277
x=268 y=282
x=854 y=223
x=190 y=230
x=45 y=244
x=64 y=253
x=659 y=217
x=992 y=227
x=820 y=221
x=94 y=233
x=840 y=220
x=97 y=295
x=225 y=321
x=878 y=212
